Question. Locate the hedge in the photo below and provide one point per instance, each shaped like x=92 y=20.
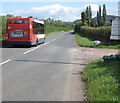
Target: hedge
x=96 y=33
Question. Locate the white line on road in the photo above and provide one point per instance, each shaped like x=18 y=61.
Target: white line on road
x=47 y=43
x=36 y=48
x=5 y=62
x=42 y=44
x=30 y=50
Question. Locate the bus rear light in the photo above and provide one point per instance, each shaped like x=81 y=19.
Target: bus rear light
x=30 y=26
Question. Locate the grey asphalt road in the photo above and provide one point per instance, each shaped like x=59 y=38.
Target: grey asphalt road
x=42 y=73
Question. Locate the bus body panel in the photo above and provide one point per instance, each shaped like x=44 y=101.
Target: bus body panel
x=22 y=34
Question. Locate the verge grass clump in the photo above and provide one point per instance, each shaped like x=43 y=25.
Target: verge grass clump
x=102 y=80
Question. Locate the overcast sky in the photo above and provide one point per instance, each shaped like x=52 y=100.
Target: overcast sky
x=65 y=11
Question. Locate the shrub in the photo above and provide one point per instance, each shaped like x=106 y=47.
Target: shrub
x=96 y=33
x=78 y=27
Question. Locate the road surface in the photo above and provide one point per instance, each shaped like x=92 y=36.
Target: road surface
x=47 y=72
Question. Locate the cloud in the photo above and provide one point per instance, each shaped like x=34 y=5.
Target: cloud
x=112 y=11
x=59 y=12
x=55 y=11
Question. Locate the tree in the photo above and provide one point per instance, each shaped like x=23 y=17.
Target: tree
x=98 y=18
x=104 y=14
x=100 y=12
x=90 y=11
x=88 y=15
x=10 y=16
x=4 y=18
x=83 y=16
x=93 y=22
x=30 y=17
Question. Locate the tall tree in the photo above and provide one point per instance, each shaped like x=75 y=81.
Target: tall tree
x=83 y=16
x=87 y=15
x=104 y=14
x=90 y=14
x=98 y=18
x=100 y=12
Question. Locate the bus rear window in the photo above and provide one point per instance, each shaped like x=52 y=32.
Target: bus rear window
x=18 y=21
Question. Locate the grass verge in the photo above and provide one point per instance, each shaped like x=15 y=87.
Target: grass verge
x=85 y=42
x=102 y=80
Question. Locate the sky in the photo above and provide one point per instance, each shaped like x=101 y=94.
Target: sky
x=65 y=11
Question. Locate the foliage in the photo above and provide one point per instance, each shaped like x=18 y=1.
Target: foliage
x=77 y=27
x=102 y=80
x=85 y=42
x=30 y=16
x=3 y=27
x=56 y=26
x=83 y=16
x=101 y=16
x=104 y=14
x=10 y=16
x=88 y=15
x=96 y=33
x=86 y=35
x=93 y=22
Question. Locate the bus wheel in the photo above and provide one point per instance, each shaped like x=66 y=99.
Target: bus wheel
x=43 y=40
x=36 y=42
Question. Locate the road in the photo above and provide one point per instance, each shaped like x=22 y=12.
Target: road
x=47 y=72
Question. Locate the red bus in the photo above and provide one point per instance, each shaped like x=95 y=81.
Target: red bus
x=25 y=31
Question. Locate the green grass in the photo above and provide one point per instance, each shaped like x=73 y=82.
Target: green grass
x=85 y=42
x=102 y=80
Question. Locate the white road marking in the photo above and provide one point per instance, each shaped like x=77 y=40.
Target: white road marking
x=43 y=44
x=5 y=61
x=47 y=43
x=30 y=50
x=53 y=39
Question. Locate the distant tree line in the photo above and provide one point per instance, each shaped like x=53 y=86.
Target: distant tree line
x=86 y=17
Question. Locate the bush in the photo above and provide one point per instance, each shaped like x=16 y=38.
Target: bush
x=77 y=27
x=96 y=33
